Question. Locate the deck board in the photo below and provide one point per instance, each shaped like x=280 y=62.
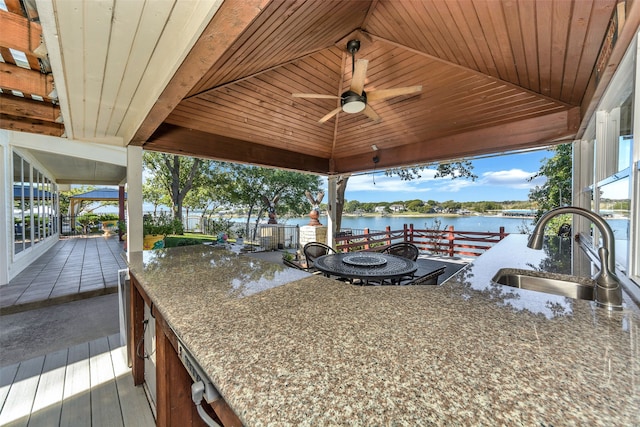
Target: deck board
x=7 y=375
x=88 y=384
x=133 y=402
x=76 y=405
x=105 y=406
x=17 y=407
x=48 y=400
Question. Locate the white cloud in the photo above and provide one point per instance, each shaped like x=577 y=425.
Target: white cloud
x=455 y=185
x=513 y=178
x=393 y=188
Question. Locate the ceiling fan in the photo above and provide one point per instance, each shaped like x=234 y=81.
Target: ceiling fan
x=355 y=99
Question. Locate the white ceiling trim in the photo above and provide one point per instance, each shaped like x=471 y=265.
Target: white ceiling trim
x=79 y=149
x=51 y=40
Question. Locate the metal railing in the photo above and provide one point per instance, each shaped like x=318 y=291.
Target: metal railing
x=260 y=237
x=76 y=225
x=448 y=242
x=276 y=236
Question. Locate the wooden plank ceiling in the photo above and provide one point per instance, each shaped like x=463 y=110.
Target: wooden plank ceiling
x=495 y=76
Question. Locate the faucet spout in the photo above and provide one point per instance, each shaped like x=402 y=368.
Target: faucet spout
x=608 y=291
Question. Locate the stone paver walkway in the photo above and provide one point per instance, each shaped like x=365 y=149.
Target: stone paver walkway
x=74 y=268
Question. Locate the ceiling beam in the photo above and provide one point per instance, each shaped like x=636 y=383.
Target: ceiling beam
x=17 y=106
x=229 y=22
x=23 y=8
x=18 y=33
x=529 y=133
x=19 y=124
x=29 y=82
x=188 y=142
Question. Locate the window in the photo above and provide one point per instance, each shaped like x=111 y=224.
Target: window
x=34 y=205
x=607 y=176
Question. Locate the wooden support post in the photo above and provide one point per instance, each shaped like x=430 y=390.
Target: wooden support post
x=451 y=239
x=368 y=239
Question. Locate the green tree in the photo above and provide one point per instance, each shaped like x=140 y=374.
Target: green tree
x=556 y=191
x=415 y=205
x=213 y=190
x=352 y=206
x=154 y=194
x=457 y=169
x=176 y=175
x=250 y=185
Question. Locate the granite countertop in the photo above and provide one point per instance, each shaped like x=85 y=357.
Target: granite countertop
x=287 y=348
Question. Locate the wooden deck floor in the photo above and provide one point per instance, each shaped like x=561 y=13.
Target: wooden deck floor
x=88 y=384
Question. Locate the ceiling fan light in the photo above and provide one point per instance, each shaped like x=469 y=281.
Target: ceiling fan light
x=353 y=103
x=353 y=107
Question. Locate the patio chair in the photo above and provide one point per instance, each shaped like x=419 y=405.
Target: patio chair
x=430 y=278
x=314 y=250
x=403 y=249
x=292 y=264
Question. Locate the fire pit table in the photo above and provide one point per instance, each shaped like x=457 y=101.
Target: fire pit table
x=366 y=267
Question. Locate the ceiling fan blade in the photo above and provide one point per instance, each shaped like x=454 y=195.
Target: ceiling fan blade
x=359 y=74
x=331 y=114
x=375 y=95
x=314 y=95
x=370 y=113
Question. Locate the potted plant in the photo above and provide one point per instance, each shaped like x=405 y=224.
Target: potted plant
x=156 y=229
x=122 y=229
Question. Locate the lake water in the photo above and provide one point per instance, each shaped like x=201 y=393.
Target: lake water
x=461 y=223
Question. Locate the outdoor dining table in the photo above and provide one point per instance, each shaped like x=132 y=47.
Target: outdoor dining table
x=367 y=267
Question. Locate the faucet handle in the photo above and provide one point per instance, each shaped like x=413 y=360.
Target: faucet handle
x=607 y=292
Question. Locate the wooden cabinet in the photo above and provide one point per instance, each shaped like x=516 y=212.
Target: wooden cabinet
x=174 y=406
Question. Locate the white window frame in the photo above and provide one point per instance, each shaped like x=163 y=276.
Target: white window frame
x=595 y=156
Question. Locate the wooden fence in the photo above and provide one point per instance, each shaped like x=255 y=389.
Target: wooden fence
x=441 y=242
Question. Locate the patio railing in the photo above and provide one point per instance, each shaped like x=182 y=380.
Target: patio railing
x=448 y=242
x=76 y=225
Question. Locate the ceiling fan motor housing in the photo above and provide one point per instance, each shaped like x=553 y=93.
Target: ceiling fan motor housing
x=353 y=46
x=352 y=102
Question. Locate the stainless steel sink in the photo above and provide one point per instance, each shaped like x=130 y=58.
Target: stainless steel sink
x=550 y=283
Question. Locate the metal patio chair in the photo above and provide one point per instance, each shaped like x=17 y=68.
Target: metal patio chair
x=314 y=250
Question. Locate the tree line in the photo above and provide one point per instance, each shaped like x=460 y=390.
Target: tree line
x=433 y=206
x=188 y=183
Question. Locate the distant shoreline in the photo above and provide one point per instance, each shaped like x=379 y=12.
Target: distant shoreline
x=431 y=215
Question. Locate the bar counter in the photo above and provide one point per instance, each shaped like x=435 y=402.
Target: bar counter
x=284 y=347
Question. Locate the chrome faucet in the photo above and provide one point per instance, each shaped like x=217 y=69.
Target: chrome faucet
x=607 y=292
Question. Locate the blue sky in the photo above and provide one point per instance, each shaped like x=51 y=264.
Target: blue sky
x=500 y=178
